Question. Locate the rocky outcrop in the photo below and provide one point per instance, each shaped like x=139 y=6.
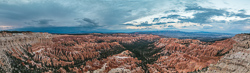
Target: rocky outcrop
x=13 y=44
x=186 y=55
x=237 y=60
x=106 y=53
x=34 y=52
x=61 y=70
x=121 y=63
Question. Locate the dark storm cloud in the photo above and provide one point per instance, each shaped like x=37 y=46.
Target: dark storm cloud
x=43 y=21
x=242 y=10
x=104 y=14
x=40 y=23
x=145 y=24
x=173 y=16
x=170 y=11
x=202 y=17
x=86 y=22
x=156 y=20
x=35 y=14
x=171 y=22
x=242 y=15
x=90 y=21
x=33 y=11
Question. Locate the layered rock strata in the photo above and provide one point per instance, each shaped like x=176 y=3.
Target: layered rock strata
x=43 y=52
x=186 y=55
x=106 y=53
x=14 y=42
x=237 y=60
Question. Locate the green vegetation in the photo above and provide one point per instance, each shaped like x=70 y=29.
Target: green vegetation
x=106 y=53
x=14 y=31
x=19 y=68
x=200 y=71
x=2 y=70
x=144 y=51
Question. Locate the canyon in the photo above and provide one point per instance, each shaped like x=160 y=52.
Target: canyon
x=120 y=53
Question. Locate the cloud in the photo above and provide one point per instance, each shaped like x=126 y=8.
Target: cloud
x=172 y=16
x=43 y=21
x=194 y=17
x=204 y=16
x=224 y=19
x=124 y=14
x=17 y=13
x=242 y=11
x=90 y=21
x=242 y=22
x=86 y=22
x=242 y=15
x=5 y=27
x=186 y=25
x=207 y=27
x=40 y=23
x=108 y=13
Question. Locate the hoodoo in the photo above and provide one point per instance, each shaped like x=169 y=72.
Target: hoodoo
x=131 y=53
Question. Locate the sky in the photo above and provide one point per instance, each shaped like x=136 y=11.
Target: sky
x=77 y=16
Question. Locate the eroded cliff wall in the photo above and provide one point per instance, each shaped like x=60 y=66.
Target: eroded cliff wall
x=15 y=42
x=237 y=60
x=187 y=55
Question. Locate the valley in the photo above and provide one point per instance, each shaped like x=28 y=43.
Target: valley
x=118 y=52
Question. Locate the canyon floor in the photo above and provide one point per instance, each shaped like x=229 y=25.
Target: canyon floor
x=28 y=52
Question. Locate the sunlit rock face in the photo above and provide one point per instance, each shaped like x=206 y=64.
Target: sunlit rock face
x=186 y=55
x=237 y=60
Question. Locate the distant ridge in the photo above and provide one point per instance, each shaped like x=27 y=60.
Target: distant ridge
x=202 y=35
x=13 y=31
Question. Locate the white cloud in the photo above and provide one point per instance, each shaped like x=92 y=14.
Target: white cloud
x=150 y=19
x=136 y=27
x=229 y=5
x=6 y=27
x=228 y=19
x=185 y=25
